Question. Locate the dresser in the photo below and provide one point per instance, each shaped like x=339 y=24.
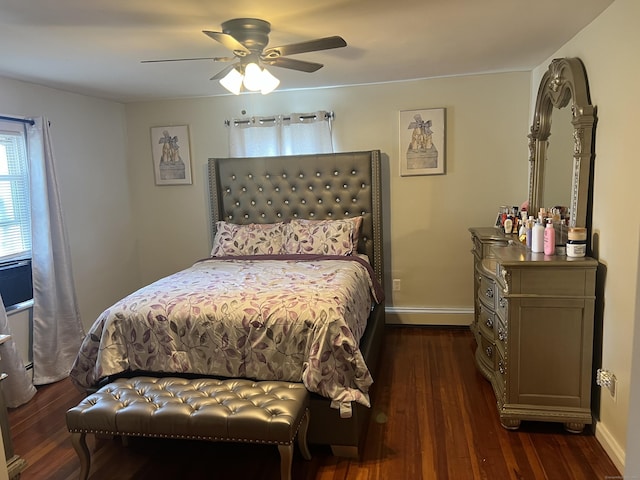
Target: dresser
x=533 y=325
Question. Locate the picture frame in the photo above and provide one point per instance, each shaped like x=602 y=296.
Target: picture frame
x=171 y=154
x=422 y=144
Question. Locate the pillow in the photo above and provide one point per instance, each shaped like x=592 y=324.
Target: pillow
x=250 y=239
x=322 y=237
x=357 y=223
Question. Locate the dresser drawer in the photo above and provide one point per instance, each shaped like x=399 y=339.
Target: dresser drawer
x=482 y=248
x=487 y=292
x=487 y=352
x=486 y=321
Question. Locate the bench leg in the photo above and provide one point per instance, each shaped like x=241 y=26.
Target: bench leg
x=286 y=451
x=286 y=459
x=302 y=436
x=79 y=442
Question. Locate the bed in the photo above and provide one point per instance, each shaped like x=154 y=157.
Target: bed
x=333 y=348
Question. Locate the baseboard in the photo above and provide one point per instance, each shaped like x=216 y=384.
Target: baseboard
x=428 y=316
x=613 y=449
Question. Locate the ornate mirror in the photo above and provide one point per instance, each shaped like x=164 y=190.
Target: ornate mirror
x=560 y=163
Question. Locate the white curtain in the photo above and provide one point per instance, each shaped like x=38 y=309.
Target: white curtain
x=294 y=134
x=57 y=329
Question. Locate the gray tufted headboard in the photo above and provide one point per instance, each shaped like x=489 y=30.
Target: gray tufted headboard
x=325 y=186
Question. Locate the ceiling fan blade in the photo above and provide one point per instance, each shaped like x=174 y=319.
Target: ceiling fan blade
x=230 y=42
x=303 y=47
x=300 y=65
x=215 y=59
x=222 y=73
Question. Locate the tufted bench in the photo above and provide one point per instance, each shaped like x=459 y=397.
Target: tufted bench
x=230 y=410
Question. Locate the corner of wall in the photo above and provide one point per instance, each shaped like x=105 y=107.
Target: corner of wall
x=611 y=446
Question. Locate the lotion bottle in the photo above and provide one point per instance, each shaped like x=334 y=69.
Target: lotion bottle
x=549 y=239
x=508 y=225
x=537 y=238
x=529 y=232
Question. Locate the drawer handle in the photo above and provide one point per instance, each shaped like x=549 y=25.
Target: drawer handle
x=489 y=292
x=489 y=322
x=489 y=351
x=502 y=302
x=501 y=367
x=502 y=335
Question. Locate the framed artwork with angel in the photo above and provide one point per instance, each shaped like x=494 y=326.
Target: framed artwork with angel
x=171 y=155
x=422 y=142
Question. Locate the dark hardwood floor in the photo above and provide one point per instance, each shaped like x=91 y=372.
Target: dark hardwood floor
x=434 y=417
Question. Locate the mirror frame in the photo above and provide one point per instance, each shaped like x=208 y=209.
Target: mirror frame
x=564 y=83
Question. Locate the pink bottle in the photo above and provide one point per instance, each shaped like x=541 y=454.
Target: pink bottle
x=549 y=239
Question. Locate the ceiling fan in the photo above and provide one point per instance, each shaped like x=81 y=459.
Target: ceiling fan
x=248 y=38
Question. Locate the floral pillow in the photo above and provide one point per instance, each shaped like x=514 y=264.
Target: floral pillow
x=357 y=223
x=322 y=237
x=250 y=239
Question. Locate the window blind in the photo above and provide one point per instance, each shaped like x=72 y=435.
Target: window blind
x=15 y=219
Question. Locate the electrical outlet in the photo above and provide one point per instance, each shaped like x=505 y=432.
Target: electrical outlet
x=604 y=378
x=396 y=285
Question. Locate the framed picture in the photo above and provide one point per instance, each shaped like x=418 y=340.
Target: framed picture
x=171 y=155
x=422 y=142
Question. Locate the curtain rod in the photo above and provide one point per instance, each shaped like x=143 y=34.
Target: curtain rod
x=327 y=116
x=21 y=120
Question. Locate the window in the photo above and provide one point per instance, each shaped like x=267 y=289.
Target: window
x=15 y=216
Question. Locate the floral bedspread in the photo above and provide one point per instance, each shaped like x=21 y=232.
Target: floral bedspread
x=264 y=318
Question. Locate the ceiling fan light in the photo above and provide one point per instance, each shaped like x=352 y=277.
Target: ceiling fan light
x=252 y=77
x=269 y=82
x=232 y=81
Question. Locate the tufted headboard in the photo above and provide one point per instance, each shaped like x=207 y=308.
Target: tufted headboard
x=324 y=186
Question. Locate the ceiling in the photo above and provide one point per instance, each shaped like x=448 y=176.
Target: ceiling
x=94 y=47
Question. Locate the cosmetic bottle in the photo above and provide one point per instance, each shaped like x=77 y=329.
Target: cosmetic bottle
x=549 y=239
x=529 y=231
x=522 y=233
x=503 y=214
x=508 y=224
x=537 y=237
x=523 y=217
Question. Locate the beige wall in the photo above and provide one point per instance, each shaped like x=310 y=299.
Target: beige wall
x=427 y=243
x=608 y=48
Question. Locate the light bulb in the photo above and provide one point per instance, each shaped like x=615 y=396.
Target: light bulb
x=252 y=77
x=269 y=82
x=232 y=81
